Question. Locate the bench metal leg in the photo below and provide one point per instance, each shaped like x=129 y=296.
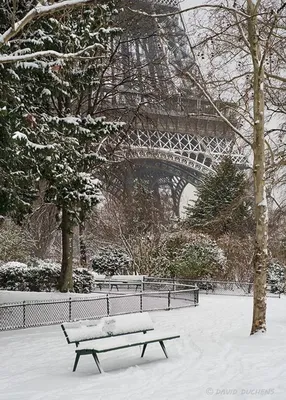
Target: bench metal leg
x=76 y=361
x=97 y=362
x=163 y=348
x=143 y=350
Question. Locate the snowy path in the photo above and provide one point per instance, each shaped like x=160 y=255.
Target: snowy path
x=214 y=354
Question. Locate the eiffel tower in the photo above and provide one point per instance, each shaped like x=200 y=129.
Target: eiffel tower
x=174 y=135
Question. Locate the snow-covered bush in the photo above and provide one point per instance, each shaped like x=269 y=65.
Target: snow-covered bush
x=40 y=276
x=111 y=261
x=36 y=277
x=188 y=255
x=276 y=276
x=82 y=280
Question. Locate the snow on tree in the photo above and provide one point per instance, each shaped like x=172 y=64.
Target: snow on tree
x=18 y=16
x=59 y=105
x=17 y=173
x=276 y=276
x=222 y=204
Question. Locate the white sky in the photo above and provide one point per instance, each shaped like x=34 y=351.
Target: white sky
x=190 y=3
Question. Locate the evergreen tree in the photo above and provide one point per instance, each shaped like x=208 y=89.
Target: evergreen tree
x=143 y=210
x=222 y=204
x=17 y=173
x=59 y=105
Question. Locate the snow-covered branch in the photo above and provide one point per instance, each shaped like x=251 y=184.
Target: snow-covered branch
x=47 y=53
x=41 y=11
x=198 y=7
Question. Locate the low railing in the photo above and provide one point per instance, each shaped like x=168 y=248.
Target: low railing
x=230 y=288
x=28 y=314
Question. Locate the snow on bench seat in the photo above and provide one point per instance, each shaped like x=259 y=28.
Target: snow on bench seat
x=108 y=326
x=103 y=345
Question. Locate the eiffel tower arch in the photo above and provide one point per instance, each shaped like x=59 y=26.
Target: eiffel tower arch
x=174 y=135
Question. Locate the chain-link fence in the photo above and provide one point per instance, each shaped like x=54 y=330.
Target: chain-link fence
x=209 y=286
x=40 y=313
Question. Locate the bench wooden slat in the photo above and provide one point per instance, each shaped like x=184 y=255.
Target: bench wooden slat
x=105 y=345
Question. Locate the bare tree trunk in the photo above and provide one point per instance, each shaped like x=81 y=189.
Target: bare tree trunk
x=261 y=210
x=82 y=244
x=66 y=280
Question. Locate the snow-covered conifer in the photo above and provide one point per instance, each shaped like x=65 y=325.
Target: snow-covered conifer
x=222 y=204
x=58 y=122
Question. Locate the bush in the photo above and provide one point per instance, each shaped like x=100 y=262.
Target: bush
x=193 y=256
x=109 y=262
x=40 y=276
x=82 y=280
x=276 y=276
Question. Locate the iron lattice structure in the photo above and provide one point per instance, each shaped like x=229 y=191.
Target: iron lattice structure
x=173 y=135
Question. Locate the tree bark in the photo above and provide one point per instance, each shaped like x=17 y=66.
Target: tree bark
x=261 y=210
x=66 y=279
x=82 y=244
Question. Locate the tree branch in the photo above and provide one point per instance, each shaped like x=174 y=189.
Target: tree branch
x=40 y=11
x=226 y=120
x=6 y=59
x=277 y=77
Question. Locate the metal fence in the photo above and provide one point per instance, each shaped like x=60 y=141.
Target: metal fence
x=229 y=288
x=28 y=314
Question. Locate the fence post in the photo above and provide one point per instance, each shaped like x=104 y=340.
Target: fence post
x=196 y=297
x=169 y=300
x=24 y=314
x=141 y=302
x=70 y=309
x=107 y=304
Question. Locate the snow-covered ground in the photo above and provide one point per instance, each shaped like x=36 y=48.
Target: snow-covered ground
x=215 y=358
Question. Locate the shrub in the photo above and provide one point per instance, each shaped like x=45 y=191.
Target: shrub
x=82 y=280
x=40 y=276
x=193 y=256
x=276 y=276
x=108 y=261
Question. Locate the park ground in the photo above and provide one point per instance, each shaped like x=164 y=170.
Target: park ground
x=215 y=358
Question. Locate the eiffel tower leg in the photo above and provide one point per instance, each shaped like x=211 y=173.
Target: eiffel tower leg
x=176 y=202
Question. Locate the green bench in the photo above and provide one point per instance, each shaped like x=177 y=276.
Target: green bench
x=114 y=283
x=113 y=333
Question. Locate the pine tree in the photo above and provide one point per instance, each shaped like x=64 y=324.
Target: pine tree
x=17 y=173
x=62 y=122
x=222 y=204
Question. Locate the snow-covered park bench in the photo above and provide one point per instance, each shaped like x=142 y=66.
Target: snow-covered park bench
x=113 y=333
